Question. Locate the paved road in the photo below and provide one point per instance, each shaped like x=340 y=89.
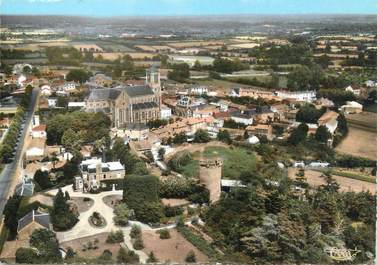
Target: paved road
x=7 y=175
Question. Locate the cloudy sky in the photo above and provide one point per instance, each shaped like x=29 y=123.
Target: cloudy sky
x=186 y=7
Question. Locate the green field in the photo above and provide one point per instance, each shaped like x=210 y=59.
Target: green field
x=236 y=160
x=351 y=175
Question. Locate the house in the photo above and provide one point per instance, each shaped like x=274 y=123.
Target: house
x=33 y=220
x=94 y=172
x=243 y=117
x=100 y=80
x=36 y=149
x=68 y=87
x=371 y=83
x=260 y=129
x=324 y=102
x=330 y=120
x=79 y=105
x=253 y=92
x=165 y=112
x=86 y=151
x=25 y=188
x=306 y=96
x=351 y=107
x=198 y=90
x=52 y=102
x=46 y=90
x=353 y=89
x=264 y=114
x=39 y=131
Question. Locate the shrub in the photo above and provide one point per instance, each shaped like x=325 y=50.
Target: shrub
x=190 y=257
x=122 y=214
x=125 y=256
x=164 y=233
x=151 y=258
x=138 y=244
x=106 y=255
x=135 y=231
x=172 y=211
x=115 y=237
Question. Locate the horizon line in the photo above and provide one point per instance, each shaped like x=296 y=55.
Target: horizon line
x=196 y=15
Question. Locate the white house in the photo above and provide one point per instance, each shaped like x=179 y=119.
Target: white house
x=351 y=107
x=355 y=91
x=307 y=96
x=371 y=83
x=198 y=90
x=165 y=113
x=69 y=86
x=242 y=118
x=52 y=102
x=76 y=104
x=46 y=90
x=330 y=120
x=39 y=131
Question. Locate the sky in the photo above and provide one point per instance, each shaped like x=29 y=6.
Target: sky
x=185 y=7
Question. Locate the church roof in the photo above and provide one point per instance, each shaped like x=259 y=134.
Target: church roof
x=145 y=105
x=103 y=94
x=137 y=91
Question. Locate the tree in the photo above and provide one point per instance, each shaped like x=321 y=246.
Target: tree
x=126 y=257
x=62 y=215
x=331 y=184
x=224 y=136
x=322 y=134
x=164 y=234
x=135 y=231
x=106 y=255
x=180 y=72
x=47 y=245
x=201 y=136
x=43 y=180
x=299 y=134
x=151 y=258
x=309 y=114
x=180 y=138
x=78 y=75
x=26 y=255
x=10 y=215
x=71 y=140
x=300 y=179
x=122 y=214
x=190 y=257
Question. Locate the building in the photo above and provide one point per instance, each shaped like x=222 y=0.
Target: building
x=52 y=102
x=245 y=117
x=94 y=172
x=39 y=131
x=31 y=221
x=129 y=104
x=252 y=92
x=36 y=149
x=260 y=129
x=46 y=90
x=330 y=120
x=100 y=80
x=136 y=131
x=307 y=96
x=165 y=113
x=351 y=107
x=25 y=188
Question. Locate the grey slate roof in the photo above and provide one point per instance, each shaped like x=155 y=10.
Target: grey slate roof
x=103 y=94
x=146 y=105
x=137 y=91
x=112 y=93
x=41 y=218
x=26 y=188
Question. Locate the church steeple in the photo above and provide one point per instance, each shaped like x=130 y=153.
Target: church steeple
x=152 y=79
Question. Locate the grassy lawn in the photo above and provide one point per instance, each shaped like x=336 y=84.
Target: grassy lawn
x=351 y=175
x=191 y=170
x=218 y=83
x=236 y=160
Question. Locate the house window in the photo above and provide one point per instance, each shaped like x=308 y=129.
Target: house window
x=104 y=176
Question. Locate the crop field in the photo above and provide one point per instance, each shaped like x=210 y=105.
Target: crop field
x=115 y=55
x=190 y=44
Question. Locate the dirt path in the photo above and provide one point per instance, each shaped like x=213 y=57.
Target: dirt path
x=346 y=184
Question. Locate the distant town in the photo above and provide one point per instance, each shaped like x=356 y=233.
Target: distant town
x=247 y=140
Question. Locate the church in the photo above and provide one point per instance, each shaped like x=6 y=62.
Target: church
x=129 y=104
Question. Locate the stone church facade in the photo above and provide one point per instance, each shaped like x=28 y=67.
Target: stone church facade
x=129 y=104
